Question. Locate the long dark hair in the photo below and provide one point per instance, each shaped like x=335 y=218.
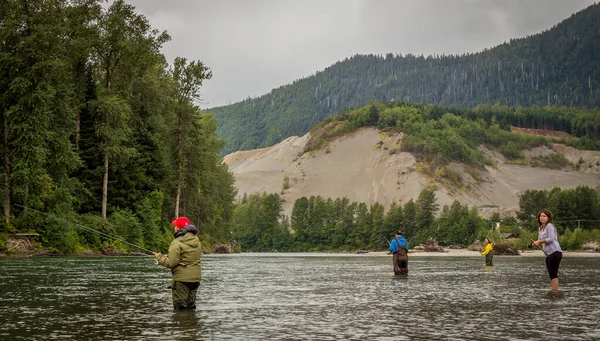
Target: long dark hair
x=547 y=213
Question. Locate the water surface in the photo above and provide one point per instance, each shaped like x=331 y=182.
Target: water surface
x=300 y=297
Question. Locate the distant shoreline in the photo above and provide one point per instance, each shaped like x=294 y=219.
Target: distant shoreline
x=412 y=253
x=469 y=253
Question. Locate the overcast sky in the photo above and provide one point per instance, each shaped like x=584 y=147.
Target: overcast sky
x=253 y=46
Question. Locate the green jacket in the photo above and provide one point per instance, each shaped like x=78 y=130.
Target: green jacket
x=183 y=258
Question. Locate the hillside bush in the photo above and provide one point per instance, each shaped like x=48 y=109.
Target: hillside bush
x=552 y=161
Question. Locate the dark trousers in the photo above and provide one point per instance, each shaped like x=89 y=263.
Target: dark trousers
x=552 y=263
x=400 y=264
x=488 y=258
x=184 y=295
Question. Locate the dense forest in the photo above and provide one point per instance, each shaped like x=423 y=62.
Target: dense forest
x=97 y=129
x=100 y=135
x=437 y=136
x=558 y=67
x=325 y=224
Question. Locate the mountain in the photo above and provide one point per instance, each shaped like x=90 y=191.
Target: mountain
x=360 y=167
x=558 y=67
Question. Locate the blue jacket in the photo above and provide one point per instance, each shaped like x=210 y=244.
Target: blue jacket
x=394 y=246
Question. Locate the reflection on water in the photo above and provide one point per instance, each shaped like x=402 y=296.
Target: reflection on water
x=299 y=297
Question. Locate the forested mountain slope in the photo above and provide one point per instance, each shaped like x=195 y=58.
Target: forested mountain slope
x=385 y=153
x=558 y=67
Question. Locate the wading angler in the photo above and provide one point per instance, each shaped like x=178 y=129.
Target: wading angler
x=183 y=259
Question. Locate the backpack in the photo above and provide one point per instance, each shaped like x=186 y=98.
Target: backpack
x=402 y=252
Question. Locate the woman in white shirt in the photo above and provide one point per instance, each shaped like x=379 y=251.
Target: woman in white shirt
x=547 y=235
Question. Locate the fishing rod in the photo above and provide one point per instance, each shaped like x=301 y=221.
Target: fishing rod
x=389 y=243
x=88 y=229
x=502 y=212
x=533 y=241
x=506 y=216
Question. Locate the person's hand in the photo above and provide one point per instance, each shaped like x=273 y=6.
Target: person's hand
x=156 y=253
x=535 y=243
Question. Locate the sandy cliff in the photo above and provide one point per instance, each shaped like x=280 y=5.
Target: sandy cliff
x=362 y=168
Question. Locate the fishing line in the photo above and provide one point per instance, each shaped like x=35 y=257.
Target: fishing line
x=507 y=217
x=85 y=228
x=502 y=212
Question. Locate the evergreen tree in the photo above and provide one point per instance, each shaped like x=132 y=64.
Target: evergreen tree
x=426 y=209
x=188 y=80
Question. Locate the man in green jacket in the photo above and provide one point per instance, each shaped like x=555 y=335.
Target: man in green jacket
x=184 y=261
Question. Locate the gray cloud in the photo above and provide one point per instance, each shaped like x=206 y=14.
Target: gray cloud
x=253 y=46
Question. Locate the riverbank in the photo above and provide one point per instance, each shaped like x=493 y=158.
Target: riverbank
x=86 y=253
x=412 y=253
x=469 y=253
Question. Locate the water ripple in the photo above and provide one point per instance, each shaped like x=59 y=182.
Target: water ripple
x=299 y=297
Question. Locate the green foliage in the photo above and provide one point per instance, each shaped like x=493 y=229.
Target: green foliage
x=85 y=96
x=54 y=233
x=127 y=226
x=149 y=215
x=571 y=208
x=573 y=240
x=91 y=240
x=530 y=203
x=256 y=224
x=426 y=209
x=451 y=174
x=286 y=183
x=410 y=212
x=510 y=150
x=319 y=224
x=457 y=225
x=322 y=224
x=522 y=243
x=552 y=161
x=449 y=134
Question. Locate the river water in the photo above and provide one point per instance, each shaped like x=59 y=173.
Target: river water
x=300 y=297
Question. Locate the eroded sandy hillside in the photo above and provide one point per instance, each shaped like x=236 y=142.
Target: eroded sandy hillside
x=362 y=168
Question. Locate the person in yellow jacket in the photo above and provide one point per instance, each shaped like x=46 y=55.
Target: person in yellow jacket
x=183 y=259
x=488 y=252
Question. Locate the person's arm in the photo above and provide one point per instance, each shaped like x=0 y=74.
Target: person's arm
x=551 y=238
x=486 y=250
x=393 y=246
x=170 y=260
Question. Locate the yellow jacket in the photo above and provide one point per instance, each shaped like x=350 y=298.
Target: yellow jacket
x=489 y=247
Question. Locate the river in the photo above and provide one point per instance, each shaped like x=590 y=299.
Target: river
x=300 y=297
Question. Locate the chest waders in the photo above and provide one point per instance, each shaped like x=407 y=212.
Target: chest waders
x=400 y=260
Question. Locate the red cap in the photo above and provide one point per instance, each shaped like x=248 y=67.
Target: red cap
x=180 y=222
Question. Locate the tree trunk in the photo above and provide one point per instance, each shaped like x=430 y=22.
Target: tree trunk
x=77 y=130
x=179 y=166
x=105 y=178
x=105 y=187
x=177 y=200
x=7 y=170
x=26 y=190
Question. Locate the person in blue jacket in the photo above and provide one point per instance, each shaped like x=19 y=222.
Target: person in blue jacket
x=399 y=248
